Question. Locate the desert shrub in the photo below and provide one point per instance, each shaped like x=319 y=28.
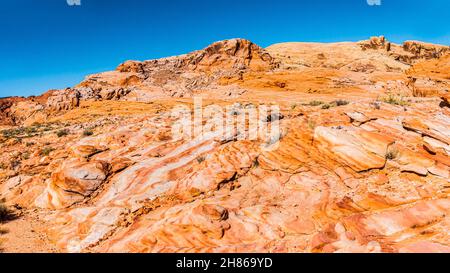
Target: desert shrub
x=200 y=159
x=392 y=154
x=3 y=231
x=30 y=130
x=88 y=132
x=376 y=105
x=10 y=133
x=62 y=133
x=4 y=211
x=22 y=132
x=26 y=156
x=46 y=151
x=335 y=103
x=340 y=102
x=394 y=100
x=315 y=103
x=312 y=124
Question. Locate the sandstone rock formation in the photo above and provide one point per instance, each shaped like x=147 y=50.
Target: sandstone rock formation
x=362 y=164
x=63 y=100
x=6 y=117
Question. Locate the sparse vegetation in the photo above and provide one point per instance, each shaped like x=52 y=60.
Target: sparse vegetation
x=30 y=131
x=62 y=133
x=201 y=159
x=392 y=154
x=4 y=211
x=25 y=156
x=3 y=231
x=26 y=132
x=340 y=102
x=394 y=100
x=88 y=132
x=46 y=151
x=376 y=105
x=335 y=103
x=315 y=103
x=11 y=133
x=311 y=124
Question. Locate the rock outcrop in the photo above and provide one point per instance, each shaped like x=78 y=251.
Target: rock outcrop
x=223 y=69
x=410 y=52
x=181 y=76
x=6 y=118
x=425 y=51
x=63 y=100
x=376 y=43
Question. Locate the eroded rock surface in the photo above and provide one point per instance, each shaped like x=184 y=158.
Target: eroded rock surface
x=362 y=164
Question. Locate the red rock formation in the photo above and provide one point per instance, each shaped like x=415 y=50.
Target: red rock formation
x=362 y=165
x=5 y=109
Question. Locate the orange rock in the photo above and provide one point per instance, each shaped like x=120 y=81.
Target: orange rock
x=355 y=170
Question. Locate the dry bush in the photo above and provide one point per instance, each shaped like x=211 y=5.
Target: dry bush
x=4 y=211
x=88 y=132
x=394 y=100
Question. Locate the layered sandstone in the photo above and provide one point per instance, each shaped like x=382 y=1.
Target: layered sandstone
x=362 y=164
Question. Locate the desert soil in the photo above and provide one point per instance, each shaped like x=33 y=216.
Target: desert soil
x=25 y=234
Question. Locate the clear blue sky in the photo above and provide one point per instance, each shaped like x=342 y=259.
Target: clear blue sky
x=48 y=44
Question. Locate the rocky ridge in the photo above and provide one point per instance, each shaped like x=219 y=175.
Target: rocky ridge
x=221 y=68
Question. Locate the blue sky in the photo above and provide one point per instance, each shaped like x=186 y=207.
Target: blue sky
x=48 y=44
